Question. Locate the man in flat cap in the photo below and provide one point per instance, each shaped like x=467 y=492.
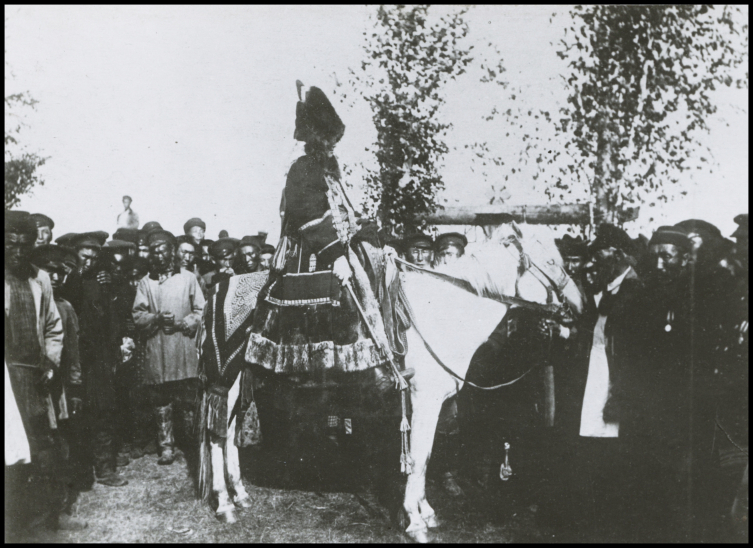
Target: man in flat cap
x=249 y=255
x=101 y=332
x=667 y=418
x=151 y=226
x=419 y=250
x=224 y=252
x=167 y=310
x=195 y=229
x=604 y=333
x=35 y=494
x=189 y=255
x=449 y=247
x=741 y=236
x=267 y=252
x=78 y=466
x=128 y=218
x=115 y=255
x=732 y=361
x=44 y=228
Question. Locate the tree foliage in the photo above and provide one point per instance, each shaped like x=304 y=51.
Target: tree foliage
x=408 y=61
x=641 y=84
x=20 y=165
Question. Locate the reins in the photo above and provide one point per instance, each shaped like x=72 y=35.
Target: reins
x=412 y=318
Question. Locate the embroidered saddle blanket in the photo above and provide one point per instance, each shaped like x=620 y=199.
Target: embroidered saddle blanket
x=227 y=323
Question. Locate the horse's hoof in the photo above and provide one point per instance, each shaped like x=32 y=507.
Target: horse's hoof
x=226 y=516
x=432 y=522
x=421 y=536
x=244 y=502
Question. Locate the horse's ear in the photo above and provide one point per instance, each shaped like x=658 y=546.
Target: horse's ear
x=516 y=228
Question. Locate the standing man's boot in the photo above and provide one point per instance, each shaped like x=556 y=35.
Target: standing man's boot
x=104 y=454
x=165 y=436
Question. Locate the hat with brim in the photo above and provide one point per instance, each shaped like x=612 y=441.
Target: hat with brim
x=20 y=222
x=184 y=239
x=250 y=241
x=267 y=249
x=50 y=256
x=610 y=236
x=703 y=228
x=151 y=226
x=160 y=236
x=121 y=246
x=742 y=226
x=418 y=240
x=223 y=248
x=127 y=235
x=451 y=239
x=571 y=247
x=42 y=220
x=671 y=235
x=316 y=119
x=195 y=221
x=93 y=240
x=66 y=239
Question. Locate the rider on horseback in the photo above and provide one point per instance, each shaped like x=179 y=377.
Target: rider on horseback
x=306 y=324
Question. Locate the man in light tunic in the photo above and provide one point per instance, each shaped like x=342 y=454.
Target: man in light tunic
x=167 y=310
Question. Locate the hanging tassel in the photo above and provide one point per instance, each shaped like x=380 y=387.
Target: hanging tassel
x=406 y=463
x=278 y=260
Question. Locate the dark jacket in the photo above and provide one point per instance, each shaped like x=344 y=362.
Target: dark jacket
x=622 y=336
x=101 y=330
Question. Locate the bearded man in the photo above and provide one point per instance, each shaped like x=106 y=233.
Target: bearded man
x=167 y=310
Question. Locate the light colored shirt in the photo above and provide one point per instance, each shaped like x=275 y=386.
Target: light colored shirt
x=175 y=356
x=592 y=423
x=128 y=219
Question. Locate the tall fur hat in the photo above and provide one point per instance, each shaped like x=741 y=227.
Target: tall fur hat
x=315 y=118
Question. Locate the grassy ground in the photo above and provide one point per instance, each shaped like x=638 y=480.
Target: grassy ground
x=159 y=505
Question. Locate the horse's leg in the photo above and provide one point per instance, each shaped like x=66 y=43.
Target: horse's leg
x=225 y=509
x=426 y=408
x=233 y=470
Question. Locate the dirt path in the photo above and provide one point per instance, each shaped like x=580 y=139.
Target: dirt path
x=159 y=505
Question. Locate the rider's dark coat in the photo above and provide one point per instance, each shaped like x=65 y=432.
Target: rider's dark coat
x=305 y=322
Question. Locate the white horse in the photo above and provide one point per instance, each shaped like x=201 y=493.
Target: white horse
x=454 y=323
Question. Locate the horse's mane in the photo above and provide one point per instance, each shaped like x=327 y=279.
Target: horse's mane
x=491 y=270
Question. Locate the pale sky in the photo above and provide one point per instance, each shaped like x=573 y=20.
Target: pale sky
x=191 y=109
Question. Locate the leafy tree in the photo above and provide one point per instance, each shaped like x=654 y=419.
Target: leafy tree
x=408 y=62
x=640 y=83
x=20 y=164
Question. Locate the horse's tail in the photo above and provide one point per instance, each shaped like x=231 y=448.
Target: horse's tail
x=205 y=455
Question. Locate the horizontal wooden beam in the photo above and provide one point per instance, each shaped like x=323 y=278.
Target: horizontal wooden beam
x=566 y=214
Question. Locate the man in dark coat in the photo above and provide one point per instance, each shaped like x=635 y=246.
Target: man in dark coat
x=602 y=345
x=35 y=494
x=77 y=470
x=99 y=347
x=667 y=412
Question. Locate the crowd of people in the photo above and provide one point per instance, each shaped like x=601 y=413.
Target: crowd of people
x=102 y=362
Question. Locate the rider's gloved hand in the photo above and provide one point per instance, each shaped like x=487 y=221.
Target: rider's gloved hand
x=341 y=269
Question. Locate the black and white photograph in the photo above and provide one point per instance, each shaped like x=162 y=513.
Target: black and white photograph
x=376 y=273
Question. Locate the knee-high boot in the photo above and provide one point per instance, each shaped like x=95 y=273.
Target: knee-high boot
x=165 y=436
